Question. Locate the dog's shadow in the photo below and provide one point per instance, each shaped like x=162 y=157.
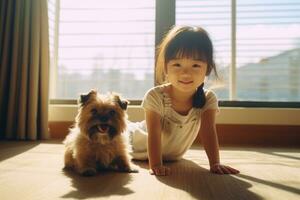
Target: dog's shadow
x=201 y=184
x=103 y=184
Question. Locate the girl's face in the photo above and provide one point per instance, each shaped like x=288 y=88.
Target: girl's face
x=186 y=74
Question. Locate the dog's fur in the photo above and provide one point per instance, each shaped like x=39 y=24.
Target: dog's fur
x=95 y=143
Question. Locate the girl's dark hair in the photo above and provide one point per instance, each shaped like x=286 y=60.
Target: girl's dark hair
x=191 y=42
x=186 y=42
x=199 y=99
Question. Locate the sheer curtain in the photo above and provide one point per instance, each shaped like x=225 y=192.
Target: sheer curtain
x=24 y=69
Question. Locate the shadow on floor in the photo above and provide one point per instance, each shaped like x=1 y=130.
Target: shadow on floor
x=272 y=184
x=278 y=153
x=10 y=149
x=101 y=185
x=201 y=184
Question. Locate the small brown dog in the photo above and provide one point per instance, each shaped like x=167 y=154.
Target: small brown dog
x=95 y=143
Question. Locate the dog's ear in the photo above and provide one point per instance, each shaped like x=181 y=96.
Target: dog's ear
x=121 y=102
x=85 y=97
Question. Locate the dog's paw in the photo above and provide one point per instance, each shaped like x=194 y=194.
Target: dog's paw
x=127 y=170
x=133 y=170
x=67 y=168
x=88 y=172
x=130 y=170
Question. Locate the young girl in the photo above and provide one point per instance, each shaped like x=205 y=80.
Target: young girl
x=179 y=108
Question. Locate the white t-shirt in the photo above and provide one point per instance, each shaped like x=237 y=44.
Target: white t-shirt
x=178 y=131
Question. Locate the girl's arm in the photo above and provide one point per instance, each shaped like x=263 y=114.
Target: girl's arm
x=208 y=135
x=154 y=144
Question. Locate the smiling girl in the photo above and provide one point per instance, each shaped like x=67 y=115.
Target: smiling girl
x=179 y=108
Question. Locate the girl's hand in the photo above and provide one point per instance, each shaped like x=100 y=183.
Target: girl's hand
x=160 y=171
x=223 y=169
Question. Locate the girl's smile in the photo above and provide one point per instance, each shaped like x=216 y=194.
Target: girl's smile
x=185 y=82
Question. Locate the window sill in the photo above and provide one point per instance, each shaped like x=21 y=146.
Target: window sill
x=227 y=115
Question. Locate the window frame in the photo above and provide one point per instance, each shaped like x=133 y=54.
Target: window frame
x=165 y=12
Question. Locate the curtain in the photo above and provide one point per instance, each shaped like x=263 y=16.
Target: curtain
x=24 y=69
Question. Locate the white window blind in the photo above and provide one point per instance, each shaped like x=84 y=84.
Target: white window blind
x=267 y=45
x=51 y=16
x=107 y=45
x=268 y=50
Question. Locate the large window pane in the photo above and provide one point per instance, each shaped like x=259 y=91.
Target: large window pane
x=268 y=50
x=215 y=17
x=108 y=45
x=267 y=45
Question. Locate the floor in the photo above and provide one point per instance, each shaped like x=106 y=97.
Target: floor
x=33 y=170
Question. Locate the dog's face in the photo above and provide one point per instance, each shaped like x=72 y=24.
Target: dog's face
x=101 y=117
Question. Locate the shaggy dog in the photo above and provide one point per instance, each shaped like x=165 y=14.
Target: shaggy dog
x=95 y=143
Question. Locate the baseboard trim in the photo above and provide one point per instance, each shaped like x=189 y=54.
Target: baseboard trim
x=228 y=134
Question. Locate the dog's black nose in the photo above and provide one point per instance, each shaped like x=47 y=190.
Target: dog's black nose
x=103 y=118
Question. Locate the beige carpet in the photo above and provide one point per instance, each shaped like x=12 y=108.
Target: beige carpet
x=33 y=170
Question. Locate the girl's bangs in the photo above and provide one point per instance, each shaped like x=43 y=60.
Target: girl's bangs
x=186 y=48
x=195 y=54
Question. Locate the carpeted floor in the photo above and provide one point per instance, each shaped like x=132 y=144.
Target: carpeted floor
x=33 y=170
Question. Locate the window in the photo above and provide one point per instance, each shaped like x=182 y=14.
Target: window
x=110 y=45
x=268 y=50
x=264 y=38
x=107 y=45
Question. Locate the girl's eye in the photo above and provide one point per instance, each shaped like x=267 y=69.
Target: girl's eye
x=196 y=65
x=176 y=65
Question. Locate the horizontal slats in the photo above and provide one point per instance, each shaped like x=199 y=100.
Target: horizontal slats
x=267 y=44
x=107 y=45
x=114 y=35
